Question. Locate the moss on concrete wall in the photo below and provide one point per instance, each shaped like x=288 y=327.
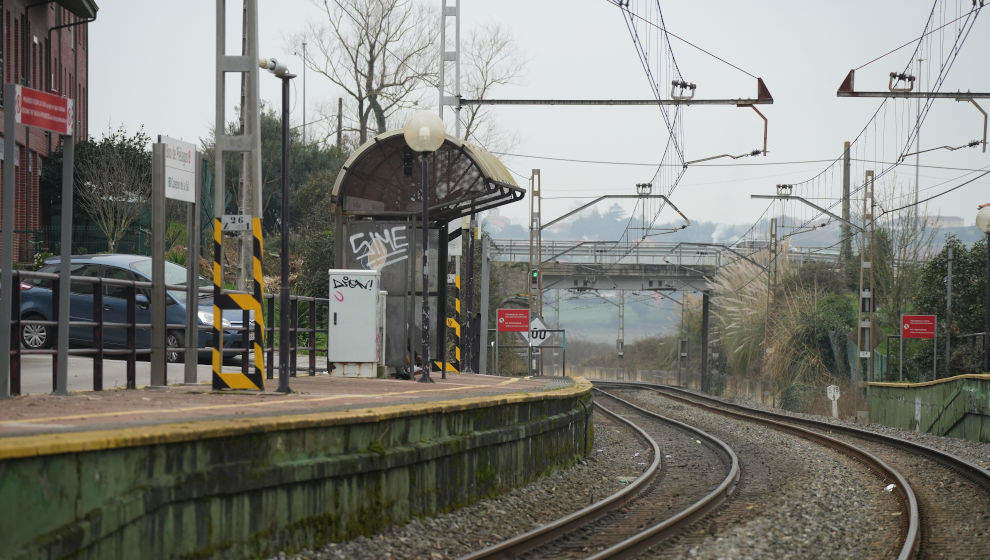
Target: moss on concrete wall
x=253 y=494
x=957 y=406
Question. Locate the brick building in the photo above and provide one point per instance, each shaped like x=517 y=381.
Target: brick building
x=44 y=46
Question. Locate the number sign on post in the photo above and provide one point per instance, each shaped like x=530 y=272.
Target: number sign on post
x=832 y=391
x=235 y=222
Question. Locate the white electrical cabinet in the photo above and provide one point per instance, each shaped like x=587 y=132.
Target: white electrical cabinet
x=354 y=339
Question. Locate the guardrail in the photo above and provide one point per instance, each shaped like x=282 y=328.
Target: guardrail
x=313 y=326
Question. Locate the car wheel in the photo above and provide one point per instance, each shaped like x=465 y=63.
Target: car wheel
x=173 y=348
x=36 y=337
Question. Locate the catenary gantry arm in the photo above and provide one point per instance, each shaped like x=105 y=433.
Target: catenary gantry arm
x=809 y=203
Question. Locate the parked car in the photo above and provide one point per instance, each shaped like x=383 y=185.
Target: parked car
x=36 y=303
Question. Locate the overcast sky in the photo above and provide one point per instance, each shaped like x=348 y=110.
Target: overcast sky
x=152 y=63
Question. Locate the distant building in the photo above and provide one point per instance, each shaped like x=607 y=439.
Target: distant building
x=45 y=46
x=939 y=222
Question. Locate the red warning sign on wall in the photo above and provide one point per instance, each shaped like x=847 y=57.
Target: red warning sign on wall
x=43 y=110
x=513 y=320
x=918 y=326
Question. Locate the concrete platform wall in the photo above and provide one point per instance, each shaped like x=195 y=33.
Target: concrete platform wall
x=956 y=406
x=252 y=487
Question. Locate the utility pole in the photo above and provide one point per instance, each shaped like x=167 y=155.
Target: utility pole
x=682 y=343
x=917 y=155
x=867 y=301
x=771 y=286
x=248 y=141
x=304 y=94
x=704 y=340
x=448 y=55
x=483 y=323
x=556 y=322
x=845 y=251
x=535 y=284
x=250 y=127
x=948 y=312
x=535 y=246
x=620 y=341
x=468 y=297
x=340 y=123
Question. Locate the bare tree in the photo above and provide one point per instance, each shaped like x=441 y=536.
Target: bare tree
x=492 y=59
x=114 y=181
x=380 y=52
x=905 y=240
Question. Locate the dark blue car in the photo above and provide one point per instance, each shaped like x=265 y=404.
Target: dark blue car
x=36 y=303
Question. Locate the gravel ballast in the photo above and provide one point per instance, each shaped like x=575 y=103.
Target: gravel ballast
x=616 y=454
x=689 y=470
x=973 y=451
x=955 y=512
x=796 y=499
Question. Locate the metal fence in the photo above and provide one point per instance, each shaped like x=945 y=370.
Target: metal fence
x=622 y=374
x=312 y=328
x=87 y=239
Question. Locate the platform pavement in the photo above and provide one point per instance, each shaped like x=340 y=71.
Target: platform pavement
x=36 y=372
x=43 y=414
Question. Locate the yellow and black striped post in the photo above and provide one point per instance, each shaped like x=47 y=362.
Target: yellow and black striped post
x=244 y=302
x=455 y=364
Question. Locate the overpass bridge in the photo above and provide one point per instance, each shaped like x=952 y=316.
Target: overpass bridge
x=640 y=266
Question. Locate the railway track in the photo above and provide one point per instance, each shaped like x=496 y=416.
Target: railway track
x=952 y=494
x=665 y=498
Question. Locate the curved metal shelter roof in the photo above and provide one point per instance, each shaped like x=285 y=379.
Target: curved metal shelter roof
x=383 y=178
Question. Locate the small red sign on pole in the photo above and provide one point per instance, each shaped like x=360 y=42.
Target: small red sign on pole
x=918 y=326
x=513 y=320
x=43 y=110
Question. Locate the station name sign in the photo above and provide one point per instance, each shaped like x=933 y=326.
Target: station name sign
x=43 y=110
x=180 y=169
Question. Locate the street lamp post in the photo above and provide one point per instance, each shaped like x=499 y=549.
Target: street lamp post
x=425 y=134
x=284 y=320
x=983 y=222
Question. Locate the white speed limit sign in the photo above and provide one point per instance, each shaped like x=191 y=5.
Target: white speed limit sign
x=537 y=333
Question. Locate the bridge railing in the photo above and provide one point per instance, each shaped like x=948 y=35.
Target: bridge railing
x=648 y=252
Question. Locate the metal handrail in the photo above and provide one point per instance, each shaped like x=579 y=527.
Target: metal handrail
x=314 y=324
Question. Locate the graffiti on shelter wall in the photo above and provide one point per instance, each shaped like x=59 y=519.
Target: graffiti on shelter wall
x=376 y=250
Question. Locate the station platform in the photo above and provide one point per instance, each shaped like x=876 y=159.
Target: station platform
x=247 y=474
x=118 y=408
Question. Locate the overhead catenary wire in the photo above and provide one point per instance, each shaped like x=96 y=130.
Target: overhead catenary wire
x=739 y=164
x=870 y=128
x=683 y=40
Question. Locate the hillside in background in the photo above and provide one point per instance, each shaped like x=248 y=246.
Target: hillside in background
x=591 y=319
x=609 y=224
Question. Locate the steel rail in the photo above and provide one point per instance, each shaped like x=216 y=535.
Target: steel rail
x=646 y=538
x=912 y=536
x=520 y=544
x=972 y=471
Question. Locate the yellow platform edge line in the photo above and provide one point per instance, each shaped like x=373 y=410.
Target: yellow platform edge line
x=15 y=447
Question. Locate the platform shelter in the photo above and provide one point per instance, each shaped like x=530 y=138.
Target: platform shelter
x=377 y=205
